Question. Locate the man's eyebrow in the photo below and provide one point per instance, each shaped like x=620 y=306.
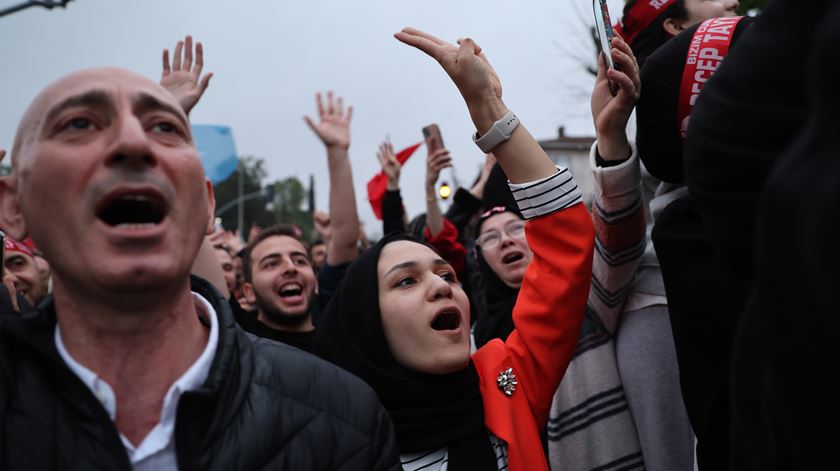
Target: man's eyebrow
x=12 y=258
x=93 y=98
x=299 y=254
x=146 y=102
x=440 y=261
x=268 y=256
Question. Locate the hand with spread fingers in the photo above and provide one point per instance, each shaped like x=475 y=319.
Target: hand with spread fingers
x=611 y=113
x=390 y=165
x=520 y=155
x=333 y=127
x=466 y=64
x=183 y=79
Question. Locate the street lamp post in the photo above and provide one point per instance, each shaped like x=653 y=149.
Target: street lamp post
x=48 y=4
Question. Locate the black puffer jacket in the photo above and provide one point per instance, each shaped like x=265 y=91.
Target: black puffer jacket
x=264 y=406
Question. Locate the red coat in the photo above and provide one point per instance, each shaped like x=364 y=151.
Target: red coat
x=547 y=318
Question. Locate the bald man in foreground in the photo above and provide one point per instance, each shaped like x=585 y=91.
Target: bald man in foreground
x=133 y=364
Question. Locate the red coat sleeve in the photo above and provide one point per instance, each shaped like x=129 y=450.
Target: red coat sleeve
x=549 y=311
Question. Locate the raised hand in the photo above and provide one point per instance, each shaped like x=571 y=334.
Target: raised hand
x=521 y=156
x=435 y=162
x=611 y=113
x=489 y=163
x=183 y=80
x=390 y=165
x=9 y=283
x=333 y=127
x=217 y=240
x=466 y=64
x=323 y=226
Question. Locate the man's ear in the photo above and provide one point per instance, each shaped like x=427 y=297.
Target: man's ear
x=673 y=26
x=248 y=291
x=211 y=207
x=11 y=217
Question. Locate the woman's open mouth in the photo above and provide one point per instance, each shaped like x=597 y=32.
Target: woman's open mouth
x=447 y=319
x=513 y=257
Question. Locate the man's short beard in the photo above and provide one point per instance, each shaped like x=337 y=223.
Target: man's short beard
x=278 y=316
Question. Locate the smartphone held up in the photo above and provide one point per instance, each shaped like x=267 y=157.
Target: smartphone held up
x=434 y=141
x=431 y=134
x=603 y=25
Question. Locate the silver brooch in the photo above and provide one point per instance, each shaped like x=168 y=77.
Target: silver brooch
x=507 y=381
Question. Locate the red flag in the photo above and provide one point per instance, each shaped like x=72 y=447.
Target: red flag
x=379 y=183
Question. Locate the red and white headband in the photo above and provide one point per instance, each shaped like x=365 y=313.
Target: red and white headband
x=640 y=16
x=12 y=245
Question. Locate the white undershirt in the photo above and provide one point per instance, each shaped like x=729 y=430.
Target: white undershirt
x=157 y=450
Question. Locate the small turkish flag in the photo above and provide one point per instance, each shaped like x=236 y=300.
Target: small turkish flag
x=379 y=183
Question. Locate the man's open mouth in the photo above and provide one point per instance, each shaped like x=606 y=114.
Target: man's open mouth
x=139 y=209
x=291 y=291
x=448 y=319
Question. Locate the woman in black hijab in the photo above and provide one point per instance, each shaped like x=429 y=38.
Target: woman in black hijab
x=400 y=320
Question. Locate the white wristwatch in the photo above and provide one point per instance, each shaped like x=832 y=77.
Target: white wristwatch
x=498 y=133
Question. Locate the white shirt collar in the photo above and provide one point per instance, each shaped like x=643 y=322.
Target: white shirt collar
x=159 y=439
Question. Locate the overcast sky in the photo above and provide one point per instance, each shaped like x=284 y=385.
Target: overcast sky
x=269 y=58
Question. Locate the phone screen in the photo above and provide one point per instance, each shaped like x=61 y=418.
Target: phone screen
x=603 y=25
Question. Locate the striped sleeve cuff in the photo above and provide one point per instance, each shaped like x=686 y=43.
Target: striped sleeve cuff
x=546 y=195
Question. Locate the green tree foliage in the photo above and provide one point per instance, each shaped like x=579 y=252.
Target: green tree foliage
x=227 y=191
x=282 y=201
x=287 y=205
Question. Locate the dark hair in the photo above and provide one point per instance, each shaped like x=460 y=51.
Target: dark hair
x=317 y=241
x=651 y=38
x=416 y=228
x=286 y=230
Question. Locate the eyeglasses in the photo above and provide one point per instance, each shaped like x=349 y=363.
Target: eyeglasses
x=491 y=239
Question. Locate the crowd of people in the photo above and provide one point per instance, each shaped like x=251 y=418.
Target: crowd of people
x=668 y=325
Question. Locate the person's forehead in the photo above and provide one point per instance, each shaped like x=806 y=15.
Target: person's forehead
x=498 y=221
x=112 y=80
x=223 y=254
x=114 y=83
x=403 y=251
x=277 y=244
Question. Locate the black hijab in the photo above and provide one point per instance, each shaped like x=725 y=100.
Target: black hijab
x=429 y=411
x=497 y=321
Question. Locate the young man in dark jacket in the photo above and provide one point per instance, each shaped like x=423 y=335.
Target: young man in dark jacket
x=133 y=364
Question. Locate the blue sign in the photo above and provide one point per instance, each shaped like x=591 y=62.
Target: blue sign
x=216 y=149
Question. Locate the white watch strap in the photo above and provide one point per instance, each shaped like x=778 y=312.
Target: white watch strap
x=498 y=133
